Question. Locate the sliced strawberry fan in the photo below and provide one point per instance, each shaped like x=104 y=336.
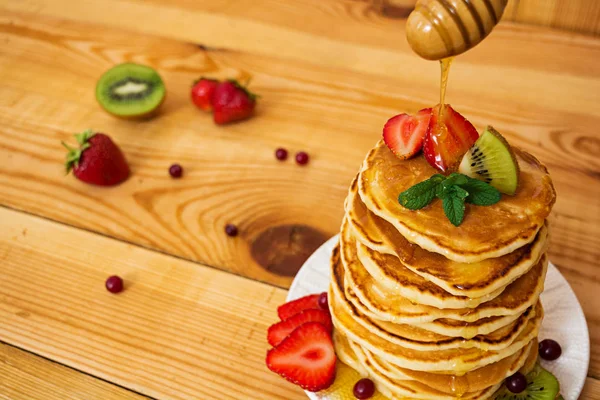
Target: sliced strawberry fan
x=303 y=350
x=281 y=330
x=306 y=357
x=295 y=306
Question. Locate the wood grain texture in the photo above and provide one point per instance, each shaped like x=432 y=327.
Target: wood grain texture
x=574 y=15
x=231 y=174
x=24 y=376
x=327 y=91
x=361 y=40
x=178 y=331
x=591 y=390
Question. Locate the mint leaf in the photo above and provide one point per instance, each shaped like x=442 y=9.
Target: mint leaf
x=454 y=205
x=454 y=191
x=481 y=193
x=456 y=179
x=450 y=184
x=421 y=194
x=459 y=192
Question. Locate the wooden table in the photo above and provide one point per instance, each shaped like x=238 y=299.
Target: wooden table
x=191 y=323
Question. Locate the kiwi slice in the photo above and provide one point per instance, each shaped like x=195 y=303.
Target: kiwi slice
x=130 y=91
x=492 y=160
x=541 y=385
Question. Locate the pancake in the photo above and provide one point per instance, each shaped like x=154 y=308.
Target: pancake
x=404 y=282
x=415 y=337
x=444 y=326
x=413 y=388
x=461 y=279
x=375 y=301
x=458 y=360
x=396 y=278
x=399 y=389
x=347 y=356
x=486 y=232
x=523 y=361
x=476 y=380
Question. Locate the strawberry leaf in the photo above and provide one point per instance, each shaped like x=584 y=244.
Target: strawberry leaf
x=74 y=154
x=251 y=96
x=84 y=137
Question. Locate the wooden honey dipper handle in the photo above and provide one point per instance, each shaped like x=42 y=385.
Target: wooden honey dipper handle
x=438 y=29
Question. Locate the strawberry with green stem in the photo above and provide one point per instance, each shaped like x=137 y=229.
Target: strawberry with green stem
x=232 y=102
x=97 y=160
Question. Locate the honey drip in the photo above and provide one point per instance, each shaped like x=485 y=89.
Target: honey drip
x=442 y=131
x=459 y=385
x=445 y=69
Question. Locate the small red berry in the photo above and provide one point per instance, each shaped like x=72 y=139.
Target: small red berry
x=114 y=284
x=281 y=154
x=364 y=389
x=516 y=383
x=322 y=302
x=549 y=349
x=302 y=158
x=175 y=171
x=231 y=230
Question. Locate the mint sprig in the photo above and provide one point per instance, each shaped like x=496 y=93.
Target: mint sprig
x=481 y=193
x=422 y=193
x=454 y=191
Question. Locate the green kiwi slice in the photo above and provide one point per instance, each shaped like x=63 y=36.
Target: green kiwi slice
x=492 y=160
x=541 y=385
x=130 y=90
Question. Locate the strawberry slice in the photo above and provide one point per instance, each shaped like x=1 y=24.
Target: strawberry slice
x=292 y=308
x=404 y=134
x=448 y=139
x=306 y=357
x=282 y=329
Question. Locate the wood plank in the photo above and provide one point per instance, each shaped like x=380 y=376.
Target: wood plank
x=26 y=376
x=363 y=40
x=591 y=390
x=178 y=331
x=231 y=174
x=544 y=99
x=191 y=331
x=575 y=15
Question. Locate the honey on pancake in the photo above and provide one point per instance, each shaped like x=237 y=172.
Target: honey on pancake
x=459 y=386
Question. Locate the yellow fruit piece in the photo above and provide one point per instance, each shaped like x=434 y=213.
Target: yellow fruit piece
x=345 y=379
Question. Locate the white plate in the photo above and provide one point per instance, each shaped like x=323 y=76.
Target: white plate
x=564 y=320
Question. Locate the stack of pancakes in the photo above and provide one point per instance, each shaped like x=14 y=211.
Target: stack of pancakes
x=428 y=310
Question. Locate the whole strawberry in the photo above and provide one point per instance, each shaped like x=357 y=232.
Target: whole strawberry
x=98 y=160
x=202 y=93
x=232 y=102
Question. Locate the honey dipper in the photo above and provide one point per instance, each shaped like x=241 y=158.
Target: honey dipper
x=437 y=29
